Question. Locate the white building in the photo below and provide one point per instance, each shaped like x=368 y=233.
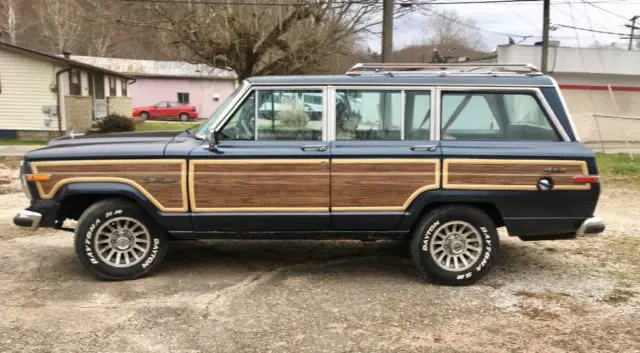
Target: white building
x=44 y=95
x=601 y=87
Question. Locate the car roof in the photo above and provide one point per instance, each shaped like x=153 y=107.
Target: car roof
x=407 y=80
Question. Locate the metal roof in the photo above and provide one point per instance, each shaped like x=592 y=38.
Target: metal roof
x=60 y=60
x=405 y=80
x=158 y=68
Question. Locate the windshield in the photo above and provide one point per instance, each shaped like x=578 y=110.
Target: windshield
x=203 y=130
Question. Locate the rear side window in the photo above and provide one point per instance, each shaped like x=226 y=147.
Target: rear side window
x=511 y=116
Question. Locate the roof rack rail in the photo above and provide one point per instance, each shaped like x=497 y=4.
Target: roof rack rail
x=441 y=69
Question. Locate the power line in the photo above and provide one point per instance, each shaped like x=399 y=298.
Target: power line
x=478 y=28
x=589 y=29
x=521 y=17
x=605 y=10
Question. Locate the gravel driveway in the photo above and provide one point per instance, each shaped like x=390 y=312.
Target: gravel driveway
x=294 y=296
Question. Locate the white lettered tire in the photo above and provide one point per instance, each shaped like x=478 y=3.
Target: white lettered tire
x=455 y=245
x=116 y=240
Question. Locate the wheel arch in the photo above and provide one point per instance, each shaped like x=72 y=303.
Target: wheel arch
x=75 y=198
x=430 y=201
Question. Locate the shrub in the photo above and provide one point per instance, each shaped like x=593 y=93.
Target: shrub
x=294 y=117
x=116 y=123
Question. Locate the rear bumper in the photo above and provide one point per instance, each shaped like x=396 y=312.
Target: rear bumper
x=591 y=226
x=28 y=219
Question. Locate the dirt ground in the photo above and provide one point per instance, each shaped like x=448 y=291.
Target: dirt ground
x=239 y=296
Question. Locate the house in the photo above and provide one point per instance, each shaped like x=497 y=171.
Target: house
x=44 y=95
x=601 y=87
x=200 y=85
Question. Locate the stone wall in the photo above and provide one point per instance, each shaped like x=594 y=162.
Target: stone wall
x=119 y=105
x=78 y=112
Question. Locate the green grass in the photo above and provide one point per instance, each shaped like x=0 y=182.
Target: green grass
x=619 y=166
x=22 y=142
x=162 y=126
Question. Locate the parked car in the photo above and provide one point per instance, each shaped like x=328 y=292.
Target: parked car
x=437 y=156
x=166 y=110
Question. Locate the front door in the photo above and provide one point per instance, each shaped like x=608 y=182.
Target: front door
x=383 y=156
x=271 y=169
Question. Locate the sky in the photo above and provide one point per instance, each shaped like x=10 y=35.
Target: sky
x=525 y=18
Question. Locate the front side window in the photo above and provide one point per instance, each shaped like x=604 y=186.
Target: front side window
x=283 y=115
x=494 y=116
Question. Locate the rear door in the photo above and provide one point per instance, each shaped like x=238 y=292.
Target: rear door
x=383 y=155
x=160 y=110
x=268 y=175
x=507 y=147
x=174 y=109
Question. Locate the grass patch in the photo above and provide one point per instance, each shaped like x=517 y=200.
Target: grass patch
x=22 y=142
x=165 y=126
x=619 y=166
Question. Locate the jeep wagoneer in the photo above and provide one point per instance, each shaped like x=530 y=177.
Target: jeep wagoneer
x=438 y=156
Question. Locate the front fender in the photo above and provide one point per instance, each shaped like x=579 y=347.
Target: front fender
x=171 y=221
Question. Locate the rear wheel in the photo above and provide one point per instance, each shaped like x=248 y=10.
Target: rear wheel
x=184 y=117
x=455 y=245
x=116 y=240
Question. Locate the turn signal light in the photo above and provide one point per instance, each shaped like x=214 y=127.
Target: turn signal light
x=38 y=177
x=586 y=179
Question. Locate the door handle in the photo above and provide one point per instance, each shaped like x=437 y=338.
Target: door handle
x=314 y=148
x=428 y=148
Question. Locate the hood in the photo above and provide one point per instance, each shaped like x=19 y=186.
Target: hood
x=106 y=146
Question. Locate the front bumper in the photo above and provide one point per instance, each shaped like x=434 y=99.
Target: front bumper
x=591 y=226
x=28 y=219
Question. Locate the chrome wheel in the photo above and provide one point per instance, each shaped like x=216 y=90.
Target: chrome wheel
x=122 y=242
x=456 y=246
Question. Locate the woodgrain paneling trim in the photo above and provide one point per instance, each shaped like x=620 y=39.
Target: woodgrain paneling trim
x=393 y=183
x=275 y=177
x=510 y=174
x=160 y=198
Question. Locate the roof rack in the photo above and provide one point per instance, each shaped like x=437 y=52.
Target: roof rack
x=393 y=69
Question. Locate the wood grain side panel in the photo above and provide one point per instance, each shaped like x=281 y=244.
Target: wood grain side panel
x=260 y=186
x=168 y=195
x=511 y=174
x=380 y=185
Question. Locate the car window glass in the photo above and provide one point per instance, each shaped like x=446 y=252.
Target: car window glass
x=290 y=115
x=241 y=125
x=494 y=116
x=417 y=112
x=175 y=105
x=368 y=115
x=161 y=105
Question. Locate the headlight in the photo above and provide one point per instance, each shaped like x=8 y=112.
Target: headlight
x=23 y=181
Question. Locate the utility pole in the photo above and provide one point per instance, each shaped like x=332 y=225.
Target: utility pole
x=632 y=26
x=387 y=30
x=545 y=35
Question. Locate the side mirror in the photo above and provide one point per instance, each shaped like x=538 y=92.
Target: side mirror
x=213 y=141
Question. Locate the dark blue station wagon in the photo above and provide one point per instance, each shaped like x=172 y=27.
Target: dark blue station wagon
x=437 y=156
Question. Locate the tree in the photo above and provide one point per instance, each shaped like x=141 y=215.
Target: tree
x=262 y=39
x=449 y=32
x=9 y=11
x=61 y=23
x=611 y=45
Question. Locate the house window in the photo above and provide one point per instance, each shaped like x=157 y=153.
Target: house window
x=74 y=83
x=123 y=83
x=183 y=98
x=112 y=86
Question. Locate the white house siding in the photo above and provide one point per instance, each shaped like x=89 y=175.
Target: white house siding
x=25 y=83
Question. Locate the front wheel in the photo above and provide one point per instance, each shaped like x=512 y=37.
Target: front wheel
x=455 y=245
x=116 y=240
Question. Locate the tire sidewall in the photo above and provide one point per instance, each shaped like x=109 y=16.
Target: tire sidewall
x=183 y=117
x=425 y=235
x=87 y=231
x=144 y=116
